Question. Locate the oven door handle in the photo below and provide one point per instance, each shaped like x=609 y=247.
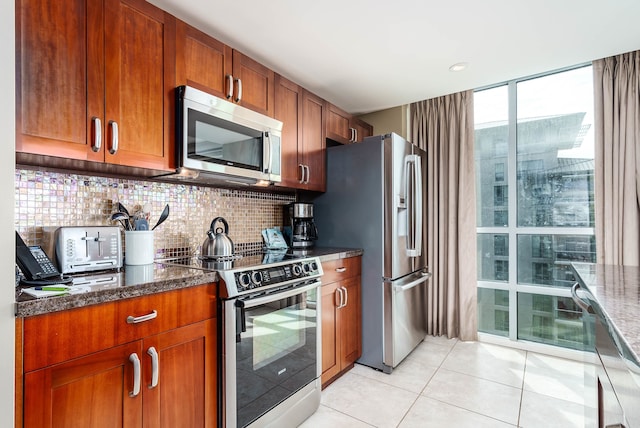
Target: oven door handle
x=252 y=303
x=241 y=319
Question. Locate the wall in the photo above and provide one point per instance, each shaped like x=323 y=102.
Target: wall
x=46 y=200
x=394 y=119
x=7 y=253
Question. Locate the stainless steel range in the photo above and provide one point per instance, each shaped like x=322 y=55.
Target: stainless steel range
x=270 y=339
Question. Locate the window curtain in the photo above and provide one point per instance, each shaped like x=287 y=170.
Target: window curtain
x=617 y=158
x=444 y=128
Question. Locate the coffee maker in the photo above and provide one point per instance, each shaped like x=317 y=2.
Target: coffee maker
x=300 y=230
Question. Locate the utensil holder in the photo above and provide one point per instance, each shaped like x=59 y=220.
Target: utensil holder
x=138 y=247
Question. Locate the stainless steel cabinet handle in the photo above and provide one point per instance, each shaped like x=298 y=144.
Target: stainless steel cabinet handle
x=142 y=318
x=301 y=173
x=308 y=174
x=136 y=374
x=346 y=296
x=229 y=86
x=97 y=134
x=339 y=296
x=155 y=367
x=341 y=269
x=355 y=138
x=578 y=301
x=239 y=92
x=114 y=137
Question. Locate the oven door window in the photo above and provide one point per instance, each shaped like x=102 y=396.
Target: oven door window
x=215 y=140
x=276 y=355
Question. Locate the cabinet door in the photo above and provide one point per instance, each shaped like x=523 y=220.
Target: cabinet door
x=313 y=141
x=139 y=67
x=202 y=61
x=288 y=110
x=350 y=322
x=59 y=77
x=338 y=125
x=185 y=394
x=93 y=391
x=330 y=333
x=257 y=84
x=362 y=129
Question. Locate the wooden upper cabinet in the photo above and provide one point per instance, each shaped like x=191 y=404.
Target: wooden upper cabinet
x=362 y=129
x=213 y=67
x=288 y=110
x=202 y=61
x=303 y=144
x=253 y=84
x=338 y=128
x=345 y=128
x=59 y=76
x=92 y=79
x=313 y=141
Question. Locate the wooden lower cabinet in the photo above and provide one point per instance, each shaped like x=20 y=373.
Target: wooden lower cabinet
x=163 y=380
x=341 y=318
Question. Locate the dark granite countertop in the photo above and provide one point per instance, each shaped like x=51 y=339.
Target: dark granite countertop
x=135 y=281
x=616 y=290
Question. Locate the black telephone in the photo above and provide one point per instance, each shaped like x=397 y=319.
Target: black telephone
x=34 y=263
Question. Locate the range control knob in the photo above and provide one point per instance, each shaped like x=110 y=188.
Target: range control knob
x=297 y=270
x=244 y=280
x=314 y=266
x=307 y=267
x=256 y=277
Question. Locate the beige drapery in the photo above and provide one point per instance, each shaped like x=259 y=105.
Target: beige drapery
x=444 y=128
x=617 y=158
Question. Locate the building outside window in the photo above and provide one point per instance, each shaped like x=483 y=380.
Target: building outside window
x=535 y=205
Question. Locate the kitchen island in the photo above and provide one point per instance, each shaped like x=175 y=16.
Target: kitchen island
x=613 y=297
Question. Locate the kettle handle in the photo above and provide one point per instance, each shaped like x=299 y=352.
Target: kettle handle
x=215 y=220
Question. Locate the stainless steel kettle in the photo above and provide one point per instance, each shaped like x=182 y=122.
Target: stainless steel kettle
x=218 y=243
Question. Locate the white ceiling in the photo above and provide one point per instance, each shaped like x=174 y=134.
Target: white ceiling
x=368 y=55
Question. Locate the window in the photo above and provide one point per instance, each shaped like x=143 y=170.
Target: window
x=499 y=176
x=500 y=196
x=535 y=194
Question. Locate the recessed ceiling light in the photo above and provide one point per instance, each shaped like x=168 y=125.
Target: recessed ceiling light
x=458 y=66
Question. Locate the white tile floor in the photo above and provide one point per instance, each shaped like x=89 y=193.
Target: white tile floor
x=459 y=384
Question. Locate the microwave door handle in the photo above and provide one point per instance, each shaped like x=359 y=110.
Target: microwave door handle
x=267 y=158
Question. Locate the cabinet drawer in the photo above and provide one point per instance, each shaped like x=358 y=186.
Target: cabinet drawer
x=337 y=270
x=144 y=316
x=60 y=336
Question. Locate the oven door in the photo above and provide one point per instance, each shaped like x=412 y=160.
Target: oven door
x=272 y=350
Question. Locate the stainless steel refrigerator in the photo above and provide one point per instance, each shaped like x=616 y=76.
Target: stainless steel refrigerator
x=375 y=201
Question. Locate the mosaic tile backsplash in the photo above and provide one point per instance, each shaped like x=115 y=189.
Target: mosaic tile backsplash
x=46 y=200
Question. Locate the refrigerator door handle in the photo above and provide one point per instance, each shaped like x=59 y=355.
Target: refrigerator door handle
x=413 y=192
x=402 y=288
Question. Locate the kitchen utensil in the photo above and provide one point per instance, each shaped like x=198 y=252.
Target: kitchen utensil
x=141 y=224
x=218 y=242
x=124 y=210
x=122 y=218
x=163 y=217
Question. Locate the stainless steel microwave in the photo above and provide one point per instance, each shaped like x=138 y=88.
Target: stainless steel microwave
x=217 y=140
